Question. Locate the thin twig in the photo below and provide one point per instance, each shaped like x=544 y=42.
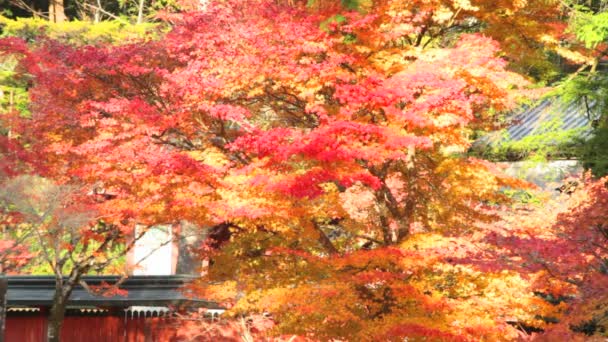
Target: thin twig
x=106 y=13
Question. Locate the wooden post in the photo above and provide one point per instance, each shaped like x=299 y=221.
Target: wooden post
x=3 y=290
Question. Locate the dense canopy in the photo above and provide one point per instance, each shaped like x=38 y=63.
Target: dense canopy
x=324 y=150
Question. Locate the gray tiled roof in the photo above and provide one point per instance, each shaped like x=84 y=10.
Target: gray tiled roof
x=140 y=290
x=549 y=115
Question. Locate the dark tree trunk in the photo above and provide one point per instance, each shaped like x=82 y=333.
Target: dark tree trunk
x=63 y=290
x=56 y=317
x=3 y=289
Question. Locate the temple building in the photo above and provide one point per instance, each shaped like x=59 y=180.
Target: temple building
x=141 y=308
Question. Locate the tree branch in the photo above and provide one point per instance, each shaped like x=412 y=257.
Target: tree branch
x=324 y=240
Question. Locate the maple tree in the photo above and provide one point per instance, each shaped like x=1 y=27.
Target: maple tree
x=584 y=265
x=382 y=123
x=326 y=149
x=57 y=228
x=559 y=248
x=60 y=219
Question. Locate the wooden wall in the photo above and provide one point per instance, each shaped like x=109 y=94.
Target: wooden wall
x=32 y=328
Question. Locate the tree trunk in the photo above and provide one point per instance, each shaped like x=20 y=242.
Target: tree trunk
x=56 y=11
x=140 y=12
x=97 y=15
x=63 y=290
x=56 y=315
x=3 y=289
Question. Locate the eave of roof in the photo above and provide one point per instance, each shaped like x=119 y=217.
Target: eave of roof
x=38 y=291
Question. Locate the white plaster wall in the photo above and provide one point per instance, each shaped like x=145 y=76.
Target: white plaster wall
x=153 y=252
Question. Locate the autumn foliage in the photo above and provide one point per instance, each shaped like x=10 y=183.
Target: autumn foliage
x=329 y=145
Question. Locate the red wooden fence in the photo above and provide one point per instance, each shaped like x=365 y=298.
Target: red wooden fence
x=91 y=329
x=25 y=329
